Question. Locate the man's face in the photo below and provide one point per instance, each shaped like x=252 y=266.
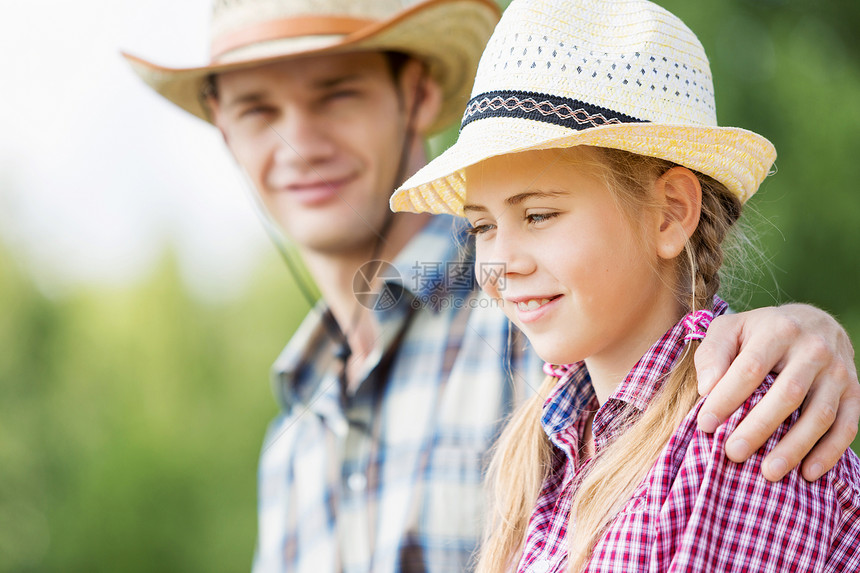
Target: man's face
x=321 y=138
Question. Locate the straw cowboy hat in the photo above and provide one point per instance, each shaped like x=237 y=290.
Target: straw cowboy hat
x=448 y=35
x=624 y=74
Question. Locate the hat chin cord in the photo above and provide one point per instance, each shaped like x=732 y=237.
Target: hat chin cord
x=399 y=176
x=294 y=266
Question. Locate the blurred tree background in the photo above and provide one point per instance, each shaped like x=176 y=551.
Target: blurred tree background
x=131 y=419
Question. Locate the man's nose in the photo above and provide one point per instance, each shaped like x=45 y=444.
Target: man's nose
x=302 y=139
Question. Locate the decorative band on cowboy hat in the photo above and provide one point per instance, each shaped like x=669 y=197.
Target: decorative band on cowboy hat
x=448 y=35
x=623 y=74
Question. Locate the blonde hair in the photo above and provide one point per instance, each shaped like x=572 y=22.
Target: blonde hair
x=523 y=455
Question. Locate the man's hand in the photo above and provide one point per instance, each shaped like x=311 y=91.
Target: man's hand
x=814 y=360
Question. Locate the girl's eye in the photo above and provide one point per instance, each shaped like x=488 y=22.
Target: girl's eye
x=540 y=217
x=480 y=229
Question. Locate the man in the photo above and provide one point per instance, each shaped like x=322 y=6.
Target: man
x=391 y=401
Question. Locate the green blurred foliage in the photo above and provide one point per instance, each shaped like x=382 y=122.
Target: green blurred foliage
x=131 y=420
x=130 y=423
x=790 y=70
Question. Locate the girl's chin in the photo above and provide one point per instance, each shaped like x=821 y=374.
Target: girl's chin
x=554 y=355
x=545 y=344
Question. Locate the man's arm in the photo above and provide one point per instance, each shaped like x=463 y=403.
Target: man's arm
x=722 y=516
x=814 y=360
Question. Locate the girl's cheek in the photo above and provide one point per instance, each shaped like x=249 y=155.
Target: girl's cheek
x=488 y=286
x=486 y=280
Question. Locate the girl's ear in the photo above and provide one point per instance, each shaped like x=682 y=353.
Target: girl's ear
x=679 y=195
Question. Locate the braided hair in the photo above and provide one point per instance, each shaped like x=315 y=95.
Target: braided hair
x=623 y=464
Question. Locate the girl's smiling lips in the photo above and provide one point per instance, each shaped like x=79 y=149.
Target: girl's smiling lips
x=533 y=307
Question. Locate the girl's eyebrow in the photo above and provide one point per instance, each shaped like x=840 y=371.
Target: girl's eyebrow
x=520 y=197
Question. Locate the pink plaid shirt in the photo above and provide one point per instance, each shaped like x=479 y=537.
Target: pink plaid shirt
x=695 y=510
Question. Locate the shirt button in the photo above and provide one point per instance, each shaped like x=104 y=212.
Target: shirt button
x=540 y=567
x=356 y=482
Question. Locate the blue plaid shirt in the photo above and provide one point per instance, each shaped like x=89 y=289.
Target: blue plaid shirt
x=389 y=476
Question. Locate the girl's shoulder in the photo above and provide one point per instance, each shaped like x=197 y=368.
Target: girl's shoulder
x=710 y=510
x=707 y=450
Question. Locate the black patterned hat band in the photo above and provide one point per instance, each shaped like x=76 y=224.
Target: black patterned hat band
x=624 y=74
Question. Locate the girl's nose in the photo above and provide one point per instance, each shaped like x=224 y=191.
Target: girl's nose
x=509 y=257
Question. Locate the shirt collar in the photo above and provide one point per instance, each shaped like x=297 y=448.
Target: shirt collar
x=574 y=393
x=431 y=272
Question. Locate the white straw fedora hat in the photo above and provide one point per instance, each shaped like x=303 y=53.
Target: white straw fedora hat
x=448 y=35
x=624 y=74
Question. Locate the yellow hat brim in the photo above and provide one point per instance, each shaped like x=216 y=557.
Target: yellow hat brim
x=737 y=158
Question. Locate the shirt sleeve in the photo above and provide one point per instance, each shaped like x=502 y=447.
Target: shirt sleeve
x=725 y=517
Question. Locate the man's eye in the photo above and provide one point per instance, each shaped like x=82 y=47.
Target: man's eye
x=480 y=229
x=340 y=95
x=254 y=111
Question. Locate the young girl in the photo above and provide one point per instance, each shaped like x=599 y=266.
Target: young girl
x=590 y=165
